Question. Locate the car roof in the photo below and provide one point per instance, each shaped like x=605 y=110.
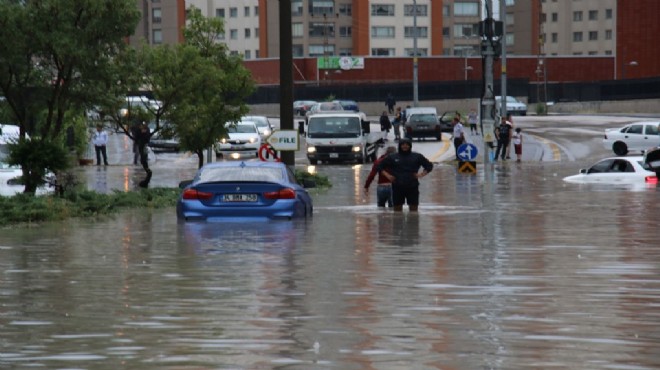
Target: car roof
x=337 y=114
x=421 y=110
x=258 y=164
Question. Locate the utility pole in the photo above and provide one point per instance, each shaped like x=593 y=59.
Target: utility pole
x=415 y=78
x=489 y=49
x=503 y=110
x=286 y=76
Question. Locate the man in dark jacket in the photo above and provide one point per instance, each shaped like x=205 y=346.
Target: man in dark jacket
x=142 y=140
x=401 y=169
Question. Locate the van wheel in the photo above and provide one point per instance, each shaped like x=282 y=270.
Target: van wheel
x=620 y=148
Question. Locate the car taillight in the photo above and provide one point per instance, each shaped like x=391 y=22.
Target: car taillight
x=651 y=179
x=287 y=193
x=196 y=194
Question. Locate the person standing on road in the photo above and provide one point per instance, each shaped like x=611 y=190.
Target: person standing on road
x=458 y=135
x=135 y=132
x=509 y=120
x=517 y=139
x=385 y=123
x=143 y=140
x=390 y=103
x=384 y=189
x=402 y=169
x=100 y=141
x=502 y=134
x=396 y=124
x=472 y=121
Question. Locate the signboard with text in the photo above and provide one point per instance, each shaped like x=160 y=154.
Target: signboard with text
x=335 y=62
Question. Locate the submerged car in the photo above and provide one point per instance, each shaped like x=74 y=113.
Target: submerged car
x=615 y=170
x=262 y=123
x=242 y=141
x=254 y=189
x=634 y=137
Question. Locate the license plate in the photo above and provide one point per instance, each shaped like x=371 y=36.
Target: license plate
x=334 y=155
x=422 y=126
x=236 y=147
x=239 y=198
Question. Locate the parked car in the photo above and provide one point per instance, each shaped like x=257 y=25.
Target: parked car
x=263 y=125
x=300 y=107
x=615 y=170
x=252 y=189
x=323 y=107
x=637 y=136
x=165 y=140
x=242 y=141
x=349 y=105
x=513 y=106
x=422 y=122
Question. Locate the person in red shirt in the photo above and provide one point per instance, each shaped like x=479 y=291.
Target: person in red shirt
x=384 y=190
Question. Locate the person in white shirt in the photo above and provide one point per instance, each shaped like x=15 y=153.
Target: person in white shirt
x=517 y=138
x=459 y=134
x=100 y=140
x=472 y=120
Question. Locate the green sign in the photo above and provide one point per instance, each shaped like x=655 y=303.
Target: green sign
x=335 y=62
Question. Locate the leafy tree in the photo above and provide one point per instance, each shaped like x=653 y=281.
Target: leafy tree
x=57 y=58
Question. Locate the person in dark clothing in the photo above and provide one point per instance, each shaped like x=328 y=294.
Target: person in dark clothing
x=502 y=135
x=384 y=190
x=135 y=132
x=385 y=123
x=401 y=169
x=390 y=102
x=142 y=139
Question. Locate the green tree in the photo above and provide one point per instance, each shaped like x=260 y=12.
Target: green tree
x=56 y=59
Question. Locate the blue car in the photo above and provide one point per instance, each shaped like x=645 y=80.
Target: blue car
x=350 y=105
x=252 y=189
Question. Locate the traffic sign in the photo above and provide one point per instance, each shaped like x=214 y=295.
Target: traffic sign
x=285 y=140
x=467 y=152
x=267 y=154
x=467 y=167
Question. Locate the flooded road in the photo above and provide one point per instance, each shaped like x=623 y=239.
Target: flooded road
x=508 y=269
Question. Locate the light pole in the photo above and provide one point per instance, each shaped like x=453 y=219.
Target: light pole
x=415 y=82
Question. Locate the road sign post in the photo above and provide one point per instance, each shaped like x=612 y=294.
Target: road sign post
x=467 y=153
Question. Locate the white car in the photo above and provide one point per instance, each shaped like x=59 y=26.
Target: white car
x=513 y=105
x=615 y=170
x=263 y=125
x=637 y=136
x=242 y=141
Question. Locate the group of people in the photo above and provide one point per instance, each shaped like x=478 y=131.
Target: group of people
x=396 y=124
x=505 y=135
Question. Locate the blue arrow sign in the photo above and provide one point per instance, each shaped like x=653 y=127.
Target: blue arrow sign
x=467 y=152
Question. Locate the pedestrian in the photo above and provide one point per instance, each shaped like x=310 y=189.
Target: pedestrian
x=385 y=123
x=100 y=141
x=143 y=141
x=135 y=132
x=396 y=124
x=390 y=103
x=517 y=139
x=472 y=121
x=503 y=136
x=458 y=134
x=509 y=120
x=404 y=115
x=384 y=189
x=402 y=169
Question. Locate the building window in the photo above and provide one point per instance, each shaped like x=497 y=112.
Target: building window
x=608 y=52
x=421 y=52
x=157 y=37
x=379 y=10
x=296 y=8
x=256 y=11
x=422 y=10
x=462 y=9
x=510 y=40
x=321 y=29
x=233 y=52
x=256 y=54
x=382 y=52
x=345 y=52
x=593 y=15
x=233 y=12
x=608 y=13
x=345 y=31
x=382 y=32
x=593 y=35
x=318 y=50
x=577 y=36
x=543 y=18
x=409 y=32
x=446 y=10
x=577 y=16
x=577 y=53
x=346 y=9
x=248 y=33
x=510 y=2
x=233 y=34
x=297 y=30
x=298 y=51
x=248 y=54
x=256 y=32
x=593 y=53
x=555 y=17
x=220 y=12
x=246 y=11
x=554 y=37
x=445 y=32
x=608 y=34
x=466 y=30
x=156 y=15
x=508 y=19
x=319 y=7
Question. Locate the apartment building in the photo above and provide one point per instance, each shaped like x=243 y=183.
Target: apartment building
x=161 y=22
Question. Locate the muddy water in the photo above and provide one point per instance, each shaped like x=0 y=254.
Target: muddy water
x=508 y=269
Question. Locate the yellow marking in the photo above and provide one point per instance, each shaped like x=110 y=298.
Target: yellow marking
x=467 y=167
x=556 y=152
x=441 y=151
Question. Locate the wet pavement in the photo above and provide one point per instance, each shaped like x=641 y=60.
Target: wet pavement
x=508 y=268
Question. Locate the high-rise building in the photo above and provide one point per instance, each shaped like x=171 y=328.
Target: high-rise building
x=161 y=22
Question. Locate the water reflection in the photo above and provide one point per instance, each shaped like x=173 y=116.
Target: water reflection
x=507 y=270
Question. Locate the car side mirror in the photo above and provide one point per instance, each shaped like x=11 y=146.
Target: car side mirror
x=583 y=171
x=184 y=184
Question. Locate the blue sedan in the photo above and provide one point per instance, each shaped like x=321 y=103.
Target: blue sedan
x=253 y=189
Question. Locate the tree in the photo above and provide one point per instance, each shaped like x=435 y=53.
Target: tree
x=56 y=59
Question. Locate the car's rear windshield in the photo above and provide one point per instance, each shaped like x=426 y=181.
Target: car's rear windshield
x=424 y=118
x=232 y=174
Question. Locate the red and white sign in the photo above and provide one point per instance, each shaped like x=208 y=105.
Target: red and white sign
x=268 y=154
